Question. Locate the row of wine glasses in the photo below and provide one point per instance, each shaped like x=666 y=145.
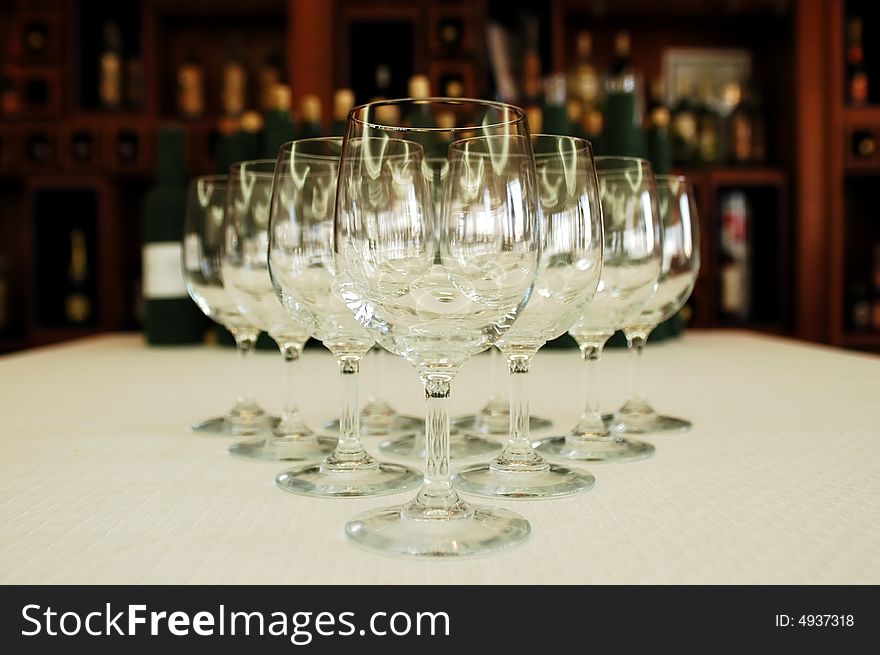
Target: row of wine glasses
x=508 y=240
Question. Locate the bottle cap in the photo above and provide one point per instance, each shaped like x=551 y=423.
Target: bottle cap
x=454 y=88
x=660 y=117
x=419 y=86
x=584 y=44
x=281 y=97
x=343 y=101
x=388 y=115
x=251 y=121
x=622 y=44
x=310 y=107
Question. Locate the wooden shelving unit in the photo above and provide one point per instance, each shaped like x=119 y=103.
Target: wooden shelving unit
x=853 y=181
x=314 y=36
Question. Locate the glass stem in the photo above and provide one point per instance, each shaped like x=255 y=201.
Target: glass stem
x=591 y=424
x=245 y=341
x=635 y=341
x=348 y=448
x=518 y=453
x=290 y=420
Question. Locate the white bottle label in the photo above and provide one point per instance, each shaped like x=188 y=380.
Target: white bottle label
x=163 y=277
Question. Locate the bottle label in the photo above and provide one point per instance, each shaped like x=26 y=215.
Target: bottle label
x=162 y=273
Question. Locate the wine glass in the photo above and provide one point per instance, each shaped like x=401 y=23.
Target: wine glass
x=571 y=262
x=303 y=273
x=681 y=263
x=202 y=242
x=437 y=288
x=631 y=269
x=245 y=267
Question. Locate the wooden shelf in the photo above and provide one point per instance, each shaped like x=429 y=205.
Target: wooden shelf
x=740 y=175
x=861 y=116
x=870 y=340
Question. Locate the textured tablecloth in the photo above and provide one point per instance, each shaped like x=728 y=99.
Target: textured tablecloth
x=779 y=482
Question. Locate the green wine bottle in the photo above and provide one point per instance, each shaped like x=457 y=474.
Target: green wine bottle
x=343 y=101
x=279 y=124
x=170 y=317
x=310 y=125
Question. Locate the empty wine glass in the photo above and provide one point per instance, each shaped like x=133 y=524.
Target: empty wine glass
x=202 y=242
x=245 y=267
x=681 y=263
x=463 y=444
x=437 y=289
x=631 y=269
x=571 y=261
x=303 y=272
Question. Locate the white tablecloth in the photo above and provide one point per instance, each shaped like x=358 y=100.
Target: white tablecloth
x=779 y=482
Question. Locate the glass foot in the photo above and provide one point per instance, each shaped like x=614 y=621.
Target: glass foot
x=399 y=425
x=275 y=449
x=224 y=427
x=480 y=531
x=479 y=424
x=552 y=481
x=321 y=480
x=600 y=449
x=646 y=423
x=461 y=446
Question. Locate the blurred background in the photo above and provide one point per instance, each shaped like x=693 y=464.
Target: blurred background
x=106 y=108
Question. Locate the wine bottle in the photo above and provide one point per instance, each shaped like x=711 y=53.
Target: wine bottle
x=708 y=126
x=271 y=74
x=134 y=82
x=110 y=73
x=36 y=38
x=310 y=118
x=249 y=137
x=233 y=97
x=555 y=113
x=531 y=73
x=82 y=146
x=623 y=74
x=170 y=317
x=343 y=101
x=740 y=128
x=856 y=75
x=582 y=81
x=735 y=282
x=684 y=126
x=861 y=308
x=863 y=144
x=77 y=305
x=279 y=127
x=420 y=116
x=190 y=87
x=659 y=143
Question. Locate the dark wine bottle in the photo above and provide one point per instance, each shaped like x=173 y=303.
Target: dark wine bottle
x=310 y=118
x=279 y=127
x=555 y=112
x=170 y=317
x=77 y=305
x=343 y=101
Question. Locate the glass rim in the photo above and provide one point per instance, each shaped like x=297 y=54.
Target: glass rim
x=627 y=165
x=668 y=177
x=287 y=147
x=520 y=115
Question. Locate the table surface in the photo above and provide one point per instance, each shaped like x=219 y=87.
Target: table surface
x=778 y=482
